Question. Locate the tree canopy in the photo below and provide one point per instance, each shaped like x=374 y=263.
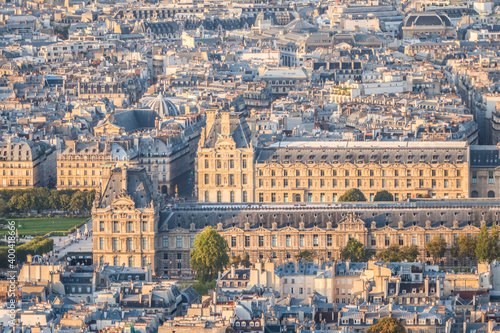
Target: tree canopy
x=305 y=255
x=238 y=260
x=387 y=325
x=396 y=253
x=352 y=195
x=209 y=255
x=355 y=251
x=25 y=200
x=487 y=248
x=464 y=248
x=436 y=248
x=383 y=196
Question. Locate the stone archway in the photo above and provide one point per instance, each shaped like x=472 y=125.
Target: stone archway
x=164 y=189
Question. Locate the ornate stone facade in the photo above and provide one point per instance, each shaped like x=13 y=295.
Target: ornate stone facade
x=279 y=232
x=225 y=168
x=125 y=219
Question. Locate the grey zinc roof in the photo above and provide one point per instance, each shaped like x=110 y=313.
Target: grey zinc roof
x=139 y=187
x=134 y=120
x=484 y=156
x=338 y=154
x=241 y=133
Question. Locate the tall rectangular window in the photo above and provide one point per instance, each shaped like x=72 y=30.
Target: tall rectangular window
x=490 y=177
x=144 y=226
x=130 y=244
x=387 y=240
x=244 y=179
x=233 y=241
x=274 y=240
x=474 y=177
x=217 y=179
x=115 y=244
x=261 y=241
x=192 y=238
x=414 y=239
x=328 y=240
x=231 y=179
x=101 y=226
x=288 y=240
x=247 y=241
x=206 y=179
x=179 y=242
x=315 y=240
x=165 y=241
x=115 y=226
x=101 y=243
x=144 y=243
x=301 y=240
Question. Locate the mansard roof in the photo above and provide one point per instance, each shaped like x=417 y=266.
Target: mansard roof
x=422 y=214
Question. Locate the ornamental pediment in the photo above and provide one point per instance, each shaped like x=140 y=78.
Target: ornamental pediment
x=470 y=228
x=415 y=228
x=315 y=228
x=442 y=228
x=289 y=229
x=352 y=223
x=262 y=230
x=234 y=230
x=386 y=229
x=178 y=230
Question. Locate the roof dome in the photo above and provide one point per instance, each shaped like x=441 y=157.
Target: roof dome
x=160 y=104
x=299 y=24
x=426 y=19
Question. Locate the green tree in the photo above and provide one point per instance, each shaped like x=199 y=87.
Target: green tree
x=391 y=254
x=395 y=253
x=436 y=248
x=209 y=255
x=383 y=196
x=305 y=255
x=494 y=249
x=355 y=251
x=352 y=195
x=483 y=244
x=78 y=201
x=464 y=248
x=387 y=325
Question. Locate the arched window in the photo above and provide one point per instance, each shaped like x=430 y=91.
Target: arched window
x=474 y=194
x=491 y=194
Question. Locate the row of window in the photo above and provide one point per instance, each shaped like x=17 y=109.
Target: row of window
x=329 y=240
x=229 y=180
x=16 y=172
x=77 y=172
x=62 y=182
x=119 y=226
x=115 y=244
x=144 y=261
x=219 y=164
x=363 y=173
x=178 y=241
x=359 y=183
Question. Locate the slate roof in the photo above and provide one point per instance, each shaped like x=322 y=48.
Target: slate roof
x=134 y=120
x=484 y=156
x=239 y=128
x=138 y=187
x=379 y=153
